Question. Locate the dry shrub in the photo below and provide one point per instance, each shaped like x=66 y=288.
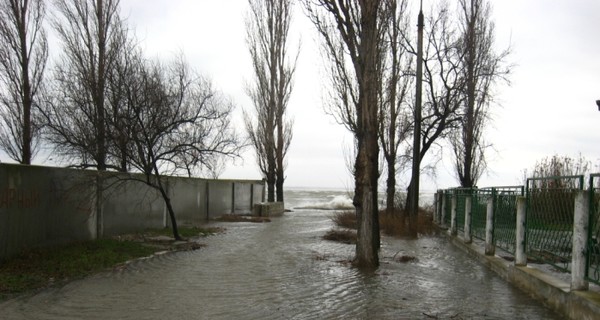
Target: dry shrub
x=345 y=219
x=394 y=224
x=405 y=259
x=344 y=236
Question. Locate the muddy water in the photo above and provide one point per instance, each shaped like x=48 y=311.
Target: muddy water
x=283 y=270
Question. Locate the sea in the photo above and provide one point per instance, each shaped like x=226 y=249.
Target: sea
x=306 y=198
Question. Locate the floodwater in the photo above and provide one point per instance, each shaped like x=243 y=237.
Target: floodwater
x=284 y=270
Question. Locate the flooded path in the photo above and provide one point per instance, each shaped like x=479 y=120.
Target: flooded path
x=284 y=270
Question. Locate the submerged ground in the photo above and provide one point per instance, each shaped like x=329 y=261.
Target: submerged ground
x=284 y=270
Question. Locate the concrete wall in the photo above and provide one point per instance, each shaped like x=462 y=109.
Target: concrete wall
x=42 y=206
x=130 y=206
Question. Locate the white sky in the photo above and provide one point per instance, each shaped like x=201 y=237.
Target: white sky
x=549 y=107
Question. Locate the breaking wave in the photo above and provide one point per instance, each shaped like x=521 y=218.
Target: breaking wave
x=340 y=202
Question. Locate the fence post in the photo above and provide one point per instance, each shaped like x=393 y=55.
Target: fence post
x=468 y=207
x=436 y=201
x=520 y=255
x=490 y=248
x=232 y=197
x=580 y=236
x=444 y=205
x=453 y=228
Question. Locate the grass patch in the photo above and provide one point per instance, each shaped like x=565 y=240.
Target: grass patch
x=43 y=267
x=39 y=268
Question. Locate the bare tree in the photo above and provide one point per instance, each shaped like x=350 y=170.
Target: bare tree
x=118 y=107
x=482 y=69
x=23 y=56
x=93 y=36
x=442 y=86
x=180 y=124
x=267 y=28
x=394 y=118
x=351 y=32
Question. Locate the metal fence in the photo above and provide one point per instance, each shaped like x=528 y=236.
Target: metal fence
x=593 y=257
x=461 y=195
x=479 y=211
x=504 y=212
x=549 y=225
x=505 y=216
x=446 y=216
x=550 y=214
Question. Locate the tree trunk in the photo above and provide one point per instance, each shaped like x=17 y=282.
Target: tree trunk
x=26 y=152
x=410 y=219
x=279 y=154
x=171 y=215
x=167 y=200
x=391 y=187
x=367 y=162
x=271 y=186
x=279 y=185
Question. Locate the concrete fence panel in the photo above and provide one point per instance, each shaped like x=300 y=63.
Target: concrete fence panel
x=132 y=206
x=242 y=198
x=188 y=197
x=41 y=206
x=44 y=206
x=220 y=199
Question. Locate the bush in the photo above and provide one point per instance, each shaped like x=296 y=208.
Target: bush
x=393 y=224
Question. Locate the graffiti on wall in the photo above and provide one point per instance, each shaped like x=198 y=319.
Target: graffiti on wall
x=19 y=198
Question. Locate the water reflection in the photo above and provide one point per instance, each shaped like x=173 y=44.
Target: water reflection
x=283 y=270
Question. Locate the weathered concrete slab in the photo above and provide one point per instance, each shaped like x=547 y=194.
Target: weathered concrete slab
x=268 y=209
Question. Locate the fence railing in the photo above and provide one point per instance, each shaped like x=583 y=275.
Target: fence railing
x=551 y=214
x=593 y=244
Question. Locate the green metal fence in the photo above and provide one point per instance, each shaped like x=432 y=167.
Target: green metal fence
x=505 y=217
x=549 y=218
x=550 y=213
x=479 y=212
x=593 y=257
x=461 y=195
x=448 y=209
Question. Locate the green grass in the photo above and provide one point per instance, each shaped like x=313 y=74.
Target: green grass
x=42 y=267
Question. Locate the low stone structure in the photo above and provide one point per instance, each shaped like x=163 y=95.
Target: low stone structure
x=268 y=209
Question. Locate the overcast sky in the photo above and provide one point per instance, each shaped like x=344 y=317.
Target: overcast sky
x=549 y=107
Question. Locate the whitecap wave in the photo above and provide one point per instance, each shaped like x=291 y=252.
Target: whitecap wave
x=336 y=203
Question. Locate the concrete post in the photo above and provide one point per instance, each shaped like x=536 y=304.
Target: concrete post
x=99 y=205
x=232 y=197
x=436 y=205
x=251 y=196
x=520 y=255
x=453 y=229
x=444 y=204
x=468 y=207
x=440 y=207
x=207 y=200
x=490 y=248
x=580 y=236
